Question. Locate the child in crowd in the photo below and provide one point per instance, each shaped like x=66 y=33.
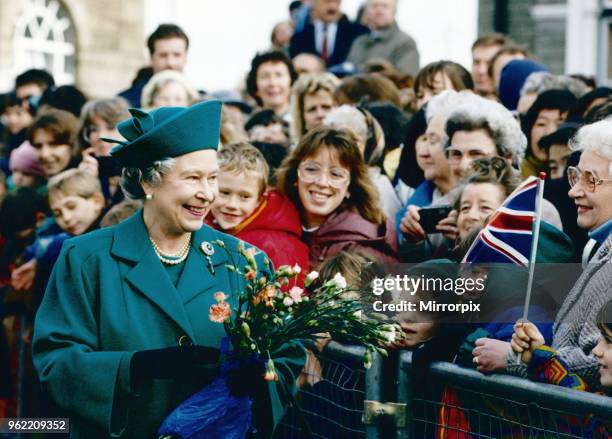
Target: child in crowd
x=245 y=209
x=120 y=212
x=76 y=202
x=350 y=265
x=21 y=212
x=546 y=366
x=25 y=168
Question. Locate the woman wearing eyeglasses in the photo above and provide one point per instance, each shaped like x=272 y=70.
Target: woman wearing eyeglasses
x=327 y=180
x=371 y=143
x=99 y=118
x=575 y=332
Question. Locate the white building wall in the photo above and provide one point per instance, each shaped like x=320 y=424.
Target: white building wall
x=582 y=29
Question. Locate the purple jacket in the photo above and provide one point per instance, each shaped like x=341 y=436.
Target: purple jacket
x=348 y=230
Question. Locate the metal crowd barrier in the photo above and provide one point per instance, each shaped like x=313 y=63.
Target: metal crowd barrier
x=344 y=400
x=463 y=403
x=332 y=397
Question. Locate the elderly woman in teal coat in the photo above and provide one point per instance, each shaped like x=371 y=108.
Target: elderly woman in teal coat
x=123 y=334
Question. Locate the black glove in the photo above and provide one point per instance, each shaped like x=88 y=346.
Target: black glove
x=247 y=379
x=170 y=363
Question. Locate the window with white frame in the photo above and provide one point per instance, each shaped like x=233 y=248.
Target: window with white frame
x=45 y=39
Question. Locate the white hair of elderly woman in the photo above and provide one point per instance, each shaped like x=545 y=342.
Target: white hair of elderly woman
x=472 y=109
x=441 y=105
x=349 y=117
x=132 y=178
x=539 y=82
x=595 y=137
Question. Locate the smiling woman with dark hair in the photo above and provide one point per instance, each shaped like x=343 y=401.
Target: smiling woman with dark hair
x=270 y=79
x=328 y=181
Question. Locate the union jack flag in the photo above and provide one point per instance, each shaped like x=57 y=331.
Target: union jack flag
x=508 y=234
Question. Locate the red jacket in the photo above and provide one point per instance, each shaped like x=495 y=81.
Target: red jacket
x=348 y=230
x=274 y=227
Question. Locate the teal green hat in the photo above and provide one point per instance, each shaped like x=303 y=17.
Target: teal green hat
x=167 y=132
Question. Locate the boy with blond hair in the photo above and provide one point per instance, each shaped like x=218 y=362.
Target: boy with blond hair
x=76 y=202
x=246 y=209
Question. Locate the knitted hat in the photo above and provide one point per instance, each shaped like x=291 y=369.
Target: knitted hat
x=513 y=76
x=25 y=159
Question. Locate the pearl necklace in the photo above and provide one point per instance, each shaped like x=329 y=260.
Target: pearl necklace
x=172 y=258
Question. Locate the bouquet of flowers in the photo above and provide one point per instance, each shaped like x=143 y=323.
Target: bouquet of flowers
x=270 y=312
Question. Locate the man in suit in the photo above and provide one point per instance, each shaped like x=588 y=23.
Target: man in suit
x=329 y=34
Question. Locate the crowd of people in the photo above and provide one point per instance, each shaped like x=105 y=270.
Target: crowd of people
x=331 y=155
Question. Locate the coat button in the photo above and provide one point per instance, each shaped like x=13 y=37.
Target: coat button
x=184 y=340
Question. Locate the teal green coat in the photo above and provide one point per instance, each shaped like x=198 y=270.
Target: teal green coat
x=108 y=296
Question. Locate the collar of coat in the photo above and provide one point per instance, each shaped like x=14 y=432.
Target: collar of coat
x=131 y=241
x=131 y=244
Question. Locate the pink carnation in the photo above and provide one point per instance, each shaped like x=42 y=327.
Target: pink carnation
x=296 y=294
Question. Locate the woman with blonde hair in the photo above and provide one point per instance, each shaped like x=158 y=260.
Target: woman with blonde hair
x=312 y=97
x=168 y=88
x=327 y=180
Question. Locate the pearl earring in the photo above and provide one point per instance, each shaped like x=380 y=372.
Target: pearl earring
x=149 y=196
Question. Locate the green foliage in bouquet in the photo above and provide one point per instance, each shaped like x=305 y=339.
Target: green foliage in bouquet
x=273 y=310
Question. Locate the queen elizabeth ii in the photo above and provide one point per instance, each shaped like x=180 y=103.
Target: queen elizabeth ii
x=123 y=335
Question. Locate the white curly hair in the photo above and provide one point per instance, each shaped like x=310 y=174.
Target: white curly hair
x=473 y=112
x=595 y=137
x=441 y=105
x=348 y=117
x=539 y=82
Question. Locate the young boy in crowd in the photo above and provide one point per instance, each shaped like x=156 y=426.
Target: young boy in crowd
x=245 y=208
x=76 y=203
x=544 y=365
x=120 y=212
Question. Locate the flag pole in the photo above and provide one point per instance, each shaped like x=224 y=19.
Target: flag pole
x=534 y=248
x=534 y=245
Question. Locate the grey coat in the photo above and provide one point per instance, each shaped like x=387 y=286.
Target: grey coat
x=575 y=333
x=390 y=44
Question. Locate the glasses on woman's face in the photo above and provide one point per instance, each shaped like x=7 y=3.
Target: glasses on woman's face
x=589 y=178
x=311 y=172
